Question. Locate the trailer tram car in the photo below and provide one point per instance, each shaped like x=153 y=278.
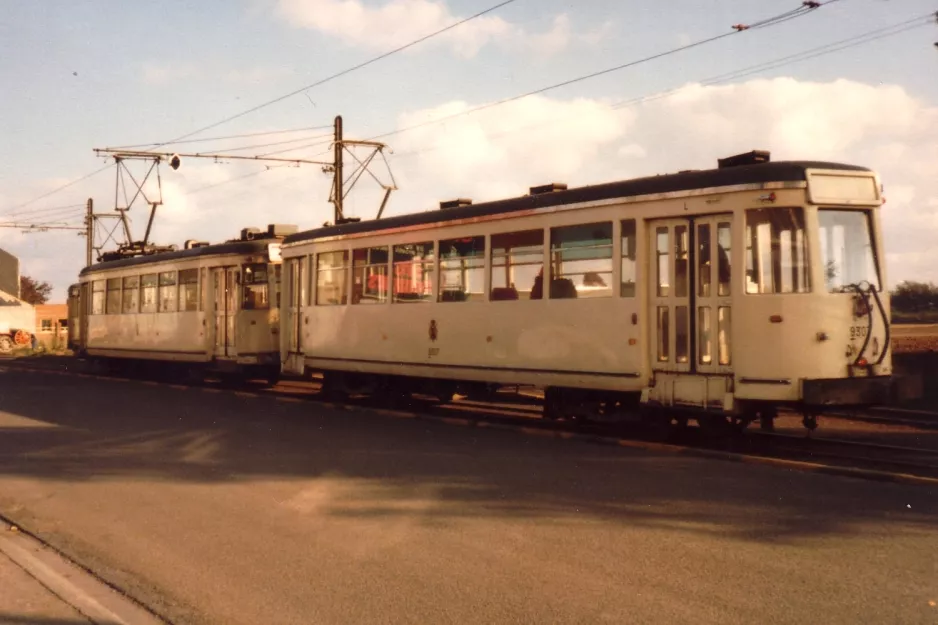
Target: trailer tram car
x=718 y=295
x=203 y=309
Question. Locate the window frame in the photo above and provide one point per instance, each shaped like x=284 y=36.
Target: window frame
x=110 y=286
x=144 y=278
x=249 y=287
x=495 y=242
x=628 y=290
x=427 y=277
x=383 y=294
x=131 y=287
x=557 y=250
x=166 y=280
x=825 y=253
x=185 y=279
x=343 y=291
x=750 y=255
x=480 y=257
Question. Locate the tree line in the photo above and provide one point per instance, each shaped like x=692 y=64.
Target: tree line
x=915 y=297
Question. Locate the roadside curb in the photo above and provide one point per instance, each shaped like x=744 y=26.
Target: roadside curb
x=784 y=463
x=71 y=583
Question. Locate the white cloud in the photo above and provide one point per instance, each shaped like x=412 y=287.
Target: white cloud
x=500 y=152
x=397 y=22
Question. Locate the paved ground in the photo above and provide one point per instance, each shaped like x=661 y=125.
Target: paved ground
x=220 y=508
x=24 y=601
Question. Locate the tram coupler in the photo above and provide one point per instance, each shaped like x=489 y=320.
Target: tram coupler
x=810 y=422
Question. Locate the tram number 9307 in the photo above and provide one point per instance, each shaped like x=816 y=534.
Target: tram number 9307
x=859 y=332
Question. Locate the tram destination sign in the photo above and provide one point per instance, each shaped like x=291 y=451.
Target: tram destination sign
x=840 y=187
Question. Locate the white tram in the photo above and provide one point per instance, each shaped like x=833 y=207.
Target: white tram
x=202 y=308
x=727 y=292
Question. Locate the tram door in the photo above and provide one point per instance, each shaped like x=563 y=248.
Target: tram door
x=225 y=288
x=295 y=280
x=690 y=312
x=713 y=281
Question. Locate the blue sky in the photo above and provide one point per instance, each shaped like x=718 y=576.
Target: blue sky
x=80 y=75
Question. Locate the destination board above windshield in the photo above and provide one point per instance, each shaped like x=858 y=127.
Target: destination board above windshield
x=840 y=187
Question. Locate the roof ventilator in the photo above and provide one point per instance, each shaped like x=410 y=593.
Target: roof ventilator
x=457 y=203
x=192 y=244
x=279 y=231
x=548 y=188
x=249 y=234
x=756 y=157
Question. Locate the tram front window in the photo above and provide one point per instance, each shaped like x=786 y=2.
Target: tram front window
x=847 y=253
x=254 y=287
x=776 y=251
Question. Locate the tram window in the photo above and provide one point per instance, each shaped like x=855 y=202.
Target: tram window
x=581 y=261
x=302 y=265
x=113 y=296
x=663 y=254
x=664 y=334
x=203 y=288
x=255 y=287
x=331 y=281
x=724 y=242
x=517 y=260
x=312 y=280
x=148 y=293
x=462 y=270
x=167 y=295
x=704 y=261
x=704 y=336
x=723 y=334
x=680 y=261
x=413 y=272
x=681 y=333
x=847 y=252
x=776 y=251
x=370 y=275
x=188 y=290
x=627 y=249
x=131 y=297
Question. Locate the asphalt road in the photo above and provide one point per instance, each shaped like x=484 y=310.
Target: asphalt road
x=217 y=508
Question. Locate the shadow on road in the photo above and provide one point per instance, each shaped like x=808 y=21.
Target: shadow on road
x=356 y=464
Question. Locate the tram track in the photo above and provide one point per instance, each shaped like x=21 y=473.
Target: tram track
x=517 y=411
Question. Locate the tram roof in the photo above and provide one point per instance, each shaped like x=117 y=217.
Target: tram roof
x=231 y=247
x=780 y=171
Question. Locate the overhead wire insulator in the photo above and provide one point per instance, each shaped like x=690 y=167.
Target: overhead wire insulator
x=740 y=27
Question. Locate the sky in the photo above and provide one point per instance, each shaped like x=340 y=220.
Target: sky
x=75 y=76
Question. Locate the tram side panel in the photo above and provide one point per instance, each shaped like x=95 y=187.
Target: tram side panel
x=591 y=338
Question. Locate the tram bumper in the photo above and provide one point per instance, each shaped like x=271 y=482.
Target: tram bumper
x=870 y=391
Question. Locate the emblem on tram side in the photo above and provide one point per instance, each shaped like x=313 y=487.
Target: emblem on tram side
x=433 y=331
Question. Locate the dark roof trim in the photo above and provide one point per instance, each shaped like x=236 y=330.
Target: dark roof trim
x=234 y=247
x=782 y=171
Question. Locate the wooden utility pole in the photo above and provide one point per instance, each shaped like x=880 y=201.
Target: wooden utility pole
x=338 y=183
x=89 y=232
